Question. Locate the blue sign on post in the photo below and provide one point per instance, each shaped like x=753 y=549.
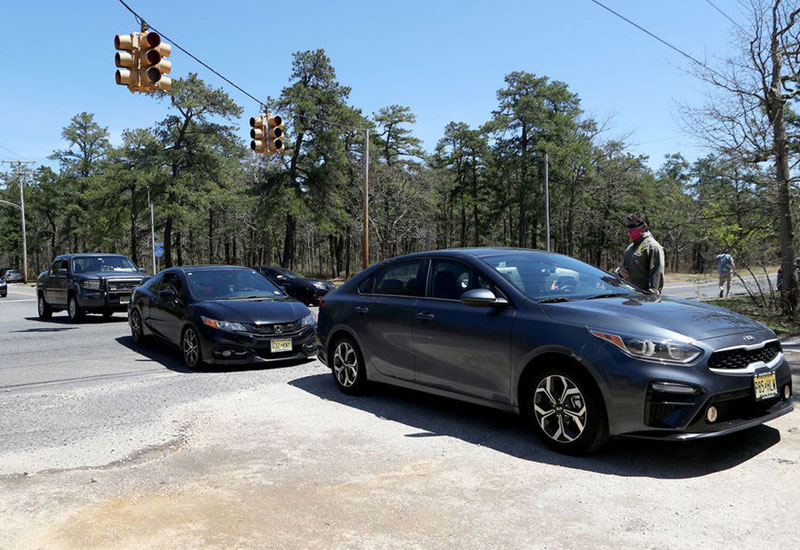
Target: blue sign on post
x=158 y=249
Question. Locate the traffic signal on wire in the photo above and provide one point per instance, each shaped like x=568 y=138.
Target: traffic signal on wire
x=141 y=62
x=275 y=134
x=258 y=134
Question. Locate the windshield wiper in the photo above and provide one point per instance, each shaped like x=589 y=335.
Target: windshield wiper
x=553 y=300
x=609 y=295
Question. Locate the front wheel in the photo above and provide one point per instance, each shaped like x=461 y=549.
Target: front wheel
x=74 y=310
x=566 y=410
x=349 y=370
x=190 y=347
x=45 y=311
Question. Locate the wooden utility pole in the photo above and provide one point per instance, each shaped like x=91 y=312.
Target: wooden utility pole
x=366 y=199
x=17 y=164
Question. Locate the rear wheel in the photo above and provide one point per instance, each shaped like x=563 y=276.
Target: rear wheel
x=74 y=310
x=45 y=311
x=190 y=348
x=137 y=331
x=566 y=410
x=348 y=367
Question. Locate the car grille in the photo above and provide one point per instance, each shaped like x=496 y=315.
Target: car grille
x=741 y=358
x=280 y=329
x=122 y=285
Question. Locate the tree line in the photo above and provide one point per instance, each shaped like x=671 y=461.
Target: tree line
x=215 y=202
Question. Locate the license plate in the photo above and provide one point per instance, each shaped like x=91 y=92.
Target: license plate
x=282 y=345
x=124 y=299
x=765 y=385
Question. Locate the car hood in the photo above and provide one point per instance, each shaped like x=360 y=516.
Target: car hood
x=261 y=310
x=695 y=320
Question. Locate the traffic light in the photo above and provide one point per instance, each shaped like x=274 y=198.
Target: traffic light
x=153 y=64
x=258 y=133
x=126 y=59
x=141 y=61
x=276 y=134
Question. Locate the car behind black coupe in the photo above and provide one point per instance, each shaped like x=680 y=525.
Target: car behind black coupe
x=582 y=354
x=223 y=315
x=307 y=290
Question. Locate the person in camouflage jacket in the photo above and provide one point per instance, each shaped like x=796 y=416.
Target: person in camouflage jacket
x=643 y=260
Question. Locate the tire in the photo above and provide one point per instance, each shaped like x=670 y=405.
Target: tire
x=137 y=329
x=107 y=315
x=45 y=311
x=566 y=410
x=347 y=365
x=190 y=348
x=74 y=309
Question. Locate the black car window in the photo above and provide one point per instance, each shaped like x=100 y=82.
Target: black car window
x=86 y=264
x=451 y=278
x=172 y=281
x=365 y=286
x=403 y=279
x=230 y=284
x=59 y=264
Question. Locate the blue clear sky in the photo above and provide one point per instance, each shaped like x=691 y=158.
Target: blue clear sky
x=444 y=59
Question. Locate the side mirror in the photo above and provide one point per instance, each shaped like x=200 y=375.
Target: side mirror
x=282 y=278
x=61 y=272
x=141 y=270
x=482 y=297
x=167 y=294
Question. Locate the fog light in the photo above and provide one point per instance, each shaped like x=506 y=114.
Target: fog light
x=787 y=391
x=711 y=414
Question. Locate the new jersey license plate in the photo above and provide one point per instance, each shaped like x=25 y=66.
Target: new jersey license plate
x=765 y=385
x=280 y=345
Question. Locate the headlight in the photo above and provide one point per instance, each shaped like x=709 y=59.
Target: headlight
x=227 y=326
x=321 y=286
x=661 y=351
x=308 y=321
x=92 y=284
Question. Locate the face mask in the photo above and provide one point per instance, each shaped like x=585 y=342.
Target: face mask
x=634 y=233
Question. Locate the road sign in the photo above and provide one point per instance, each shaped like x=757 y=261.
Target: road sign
x=158 y=249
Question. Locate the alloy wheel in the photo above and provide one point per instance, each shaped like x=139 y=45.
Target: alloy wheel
x=41 y=306
x=191 y=348
x=136 y=326
x=560 y=408
x=345 y=364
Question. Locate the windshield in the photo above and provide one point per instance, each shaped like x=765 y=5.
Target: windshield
x=289 y=273
x=95 y=264
x=230 y=284
x=552 y=277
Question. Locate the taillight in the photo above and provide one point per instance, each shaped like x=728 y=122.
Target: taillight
x=321 y=302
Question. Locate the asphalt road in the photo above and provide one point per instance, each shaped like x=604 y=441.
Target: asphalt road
x=105 y=444
x=709 y=288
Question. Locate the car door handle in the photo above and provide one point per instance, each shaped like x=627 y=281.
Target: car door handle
x=362 y=309
x=425 y=316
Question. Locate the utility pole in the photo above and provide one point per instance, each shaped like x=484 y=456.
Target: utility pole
x=366 y=199
x=17 y=164
x=152 y=232
x=547 y=201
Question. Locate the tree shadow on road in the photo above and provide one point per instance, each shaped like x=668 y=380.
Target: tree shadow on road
x=170 y=358
x=507 y=433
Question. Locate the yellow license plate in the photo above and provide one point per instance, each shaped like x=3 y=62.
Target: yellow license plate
x=765 y=385
x=282 y=345
x=124 y=299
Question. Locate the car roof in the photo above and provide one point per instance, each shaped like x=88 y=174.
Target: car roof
x=476 y=252
x=186 y=268
x=87 y=255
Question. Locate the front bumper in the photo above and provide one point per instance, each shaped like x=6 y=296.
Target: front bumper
x=102 y=300
x=231 y=348
x=656 y=401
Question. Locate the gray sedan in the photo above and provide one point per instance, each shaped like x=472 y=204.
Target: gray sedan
x=580 y=353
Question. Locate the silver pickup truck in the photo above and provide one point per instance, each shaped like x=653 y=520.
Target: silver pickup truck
x=87 y=283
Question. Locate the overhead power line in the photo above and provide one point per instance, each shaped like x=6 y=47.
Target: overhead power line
x=728 y=17
x=261 y=104
x=667 y=44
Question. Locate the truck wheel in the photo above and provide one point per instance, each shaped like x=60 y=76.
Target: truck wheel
x=74 y=310
x=45 y=311
x=107 y=314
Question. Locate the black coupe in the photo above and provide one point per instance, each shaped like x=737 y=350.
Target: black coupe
x=225 y=315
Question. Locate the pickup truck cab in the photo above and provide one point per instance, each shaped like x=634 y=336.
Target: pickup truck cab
x=87 y=283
